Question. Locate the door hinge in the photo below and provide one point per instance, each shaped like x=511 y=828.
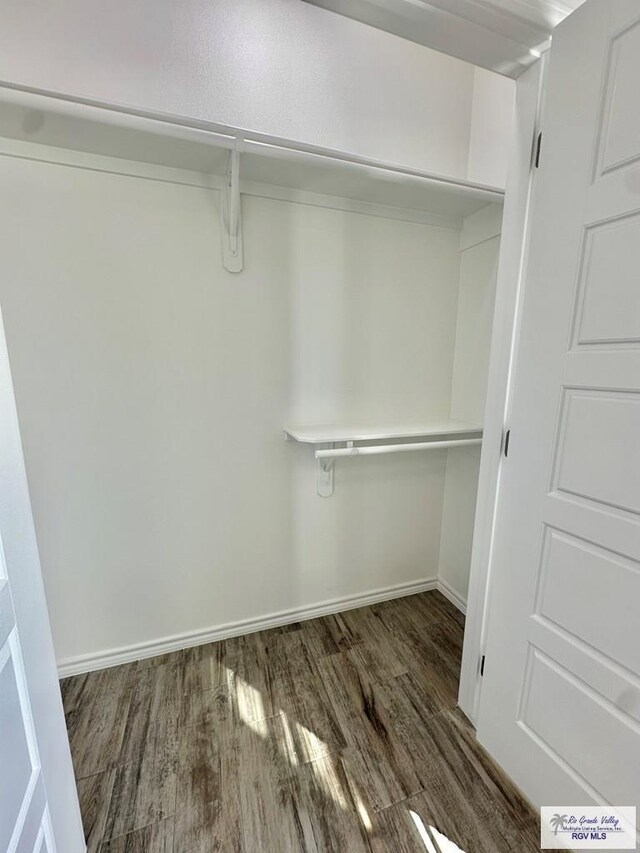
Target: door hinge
x=507 y=439
x=482 y=666
x=538 y=149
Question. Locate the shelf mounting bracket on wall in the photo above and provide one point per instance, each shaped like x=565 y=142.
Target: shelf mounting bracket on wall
x=324 y=474
x=232 y=254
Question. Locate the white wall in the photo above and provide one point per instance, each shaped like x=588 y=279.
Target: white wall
x=152 y=387
x=278 y=67
x=491 y=131
x=480 y=246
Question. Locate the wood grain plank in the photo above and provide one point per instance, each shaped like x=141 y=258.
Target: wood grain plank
x=137 y=724
x=72 y=690
x=378 y=654
x=327 y=635
x=438 y=624
x=204 y=667
x=436 y=668
x=269 y=813
x=434 y=604
x=96 y=727
x=248 y=678
x=94 y=793
x=157 y=838
x=157 y=693
x=377 y=763
x=200 y=709
x=422 y=823
x=496 y=797
x=207 y=814
x=331 y=820
x=299 y=694
x=460 y=781
x=144 y=790
x=81 y=690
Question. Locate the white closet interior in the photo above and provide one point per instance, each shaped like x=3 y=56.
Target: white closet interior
x=155 y=387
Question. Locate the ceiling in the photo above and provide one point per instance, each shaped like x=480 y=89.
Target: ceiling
x=503 y=35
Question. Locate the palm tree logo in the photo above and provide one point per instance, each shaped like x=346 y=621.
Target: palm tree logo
x=557 y=821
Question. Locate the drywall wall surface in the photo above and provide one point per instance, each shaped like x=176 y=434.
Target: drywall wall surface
x=458 y=514
x=491 y=127
x=278 y=67
x=478 y=270
x=152 y=388
x=473 y=337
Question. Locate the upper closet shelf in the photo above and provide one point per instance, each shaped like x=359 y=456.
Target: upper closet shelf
x=264 y=166
x=332 y=433
x=436 y=435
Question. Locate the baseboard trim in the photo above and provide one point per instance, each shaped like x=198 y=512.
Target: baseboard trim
x=139 y=651
x=454 y=597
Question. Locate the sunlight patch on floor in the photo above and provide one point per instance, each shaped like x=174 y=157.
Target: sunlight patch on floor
x=289 y=743
x=249 y=703
x=363 y=813
x=310 y=745
x=424 y=835
x=434 y=841
x=326 y=776
x=300 y=746
x=445 y=844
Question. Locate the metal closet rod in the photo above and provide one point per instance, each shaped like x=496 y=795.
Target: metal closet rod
x=375 y=450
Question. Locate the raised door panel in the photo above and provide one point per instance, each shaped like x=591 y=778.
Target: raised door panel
x=579 y=582
x=607 y=310
x=621 y=122
x=22 y=799
x=587 y=748
x=15 y=759
x=596 y=448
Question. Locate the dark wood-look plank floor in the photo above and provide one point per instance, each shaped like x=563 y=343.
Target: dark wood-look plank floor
x=339 y=734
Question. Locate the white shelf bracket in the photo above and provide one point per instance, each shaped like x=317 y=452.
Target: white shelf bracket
x=232 y=255
x=324 y=474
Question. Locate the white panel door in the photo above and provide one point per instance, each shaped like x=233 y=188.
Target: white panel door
x=22 y=801
x=560 y=703
x=38 y=801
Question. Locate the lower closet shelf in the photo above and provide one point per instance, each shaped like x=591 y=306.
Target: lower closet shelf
x=439 y=434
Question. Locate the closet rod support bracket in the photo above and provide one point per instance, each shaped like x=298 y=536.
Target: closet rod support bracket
x=232 y=251
x=324 y=474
